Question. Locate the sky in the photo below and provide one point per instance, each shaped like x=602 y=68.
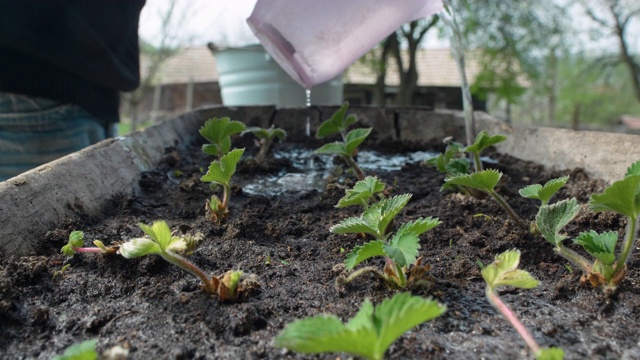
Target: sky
x=218 y=21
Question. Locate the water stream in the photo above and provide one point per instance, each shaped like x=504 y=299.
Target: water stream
x=308 y=105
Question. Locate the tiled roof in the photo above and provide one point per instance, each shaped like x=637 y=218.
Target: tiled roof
x=195 y=63
x=436 y=67
x=632 y=122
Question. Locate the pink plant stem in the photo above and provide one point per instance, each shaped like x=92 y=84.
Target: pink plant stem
x=187 y=265
x=225 y=196
x=495 y=300
x=87 y=250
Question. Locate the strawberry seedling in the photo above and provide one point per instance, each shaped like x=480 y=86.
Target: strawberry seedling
x=347 y=148
x=481 y=143
x=485 y=181
x=160 y=241
x=220 y=172
x=476 y=183
x=75 y=244
x=504 y=272
x=265 y=139
x=622 y=197
x=399 y=250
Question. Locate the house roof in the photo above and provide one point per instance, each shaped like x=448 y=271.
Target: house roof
x=631 y=122
x=436 y=67
x=195 y=63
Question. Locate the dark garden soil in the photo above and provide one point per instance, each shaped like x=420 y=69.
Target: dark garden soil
x=158 y=311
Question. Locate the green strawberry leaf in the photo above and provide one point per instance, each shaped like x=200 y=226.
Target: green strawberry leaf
x=403 y=248
x=419 y=226
x=355 y=137
x=485 y=180
x=160 y=234
x=364 y=252
x=266 y=133
x=337 y=123
x=334 y=148
x=544 y=193
x=139 y=247
x=369 y=334
x=393 y=317
x=601 y=246
x=76 y=240
x=531 y=191
x=384 y=211
x=552 y=218
x=634 y=169
x=623 y=197
x=551 y=187
x=504 y=272
x=221 y=171
x=361 y=192
x=483 y=141
x=218 y=131
x=457 y=167
x=354 y=225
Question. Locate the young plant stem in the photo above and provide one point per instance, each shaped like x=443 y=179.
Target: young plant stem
x=87 y=250
x=352 y=163
x=264 y=149
x=477 y=162
x=400 y=273
x=495 y=300
x=367 y=269
x=362 y=271
x=630 y=236
x=226 y=194
x=343 y=133
x=574 y=258
x=503 y=204
x=186 y=265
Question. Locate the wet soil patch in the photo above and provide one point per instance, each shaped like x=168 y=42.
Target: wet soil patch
x=158 y=311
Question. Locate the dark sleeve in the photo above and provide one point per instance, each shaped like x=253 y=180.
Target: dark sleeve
x=95 y=40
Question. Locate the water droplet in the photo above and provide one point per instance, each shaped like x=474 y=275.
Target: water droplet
x=310 y=164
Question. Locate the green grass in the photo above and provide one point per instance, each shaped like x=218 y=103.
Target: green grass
x=124 y=128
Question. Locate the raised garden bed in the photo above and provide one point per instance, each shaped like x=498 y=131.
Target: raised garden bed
x=158 y=311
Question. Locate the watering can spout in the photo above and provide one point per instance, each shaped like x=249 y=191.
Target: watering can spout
x=314 y=41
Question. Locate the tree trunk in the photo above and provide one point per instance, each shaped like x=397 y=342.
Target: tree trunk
x=379 y=96
x=634 y=68
x=575 y=118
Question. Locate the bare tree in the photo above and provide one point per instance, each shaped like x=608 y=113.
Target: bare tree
x=615 y=16
x=154 y=56
x=410 y=36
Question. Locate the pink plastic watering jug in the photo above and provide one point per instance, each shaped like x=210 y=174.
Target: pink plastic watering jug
x=315 y=40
